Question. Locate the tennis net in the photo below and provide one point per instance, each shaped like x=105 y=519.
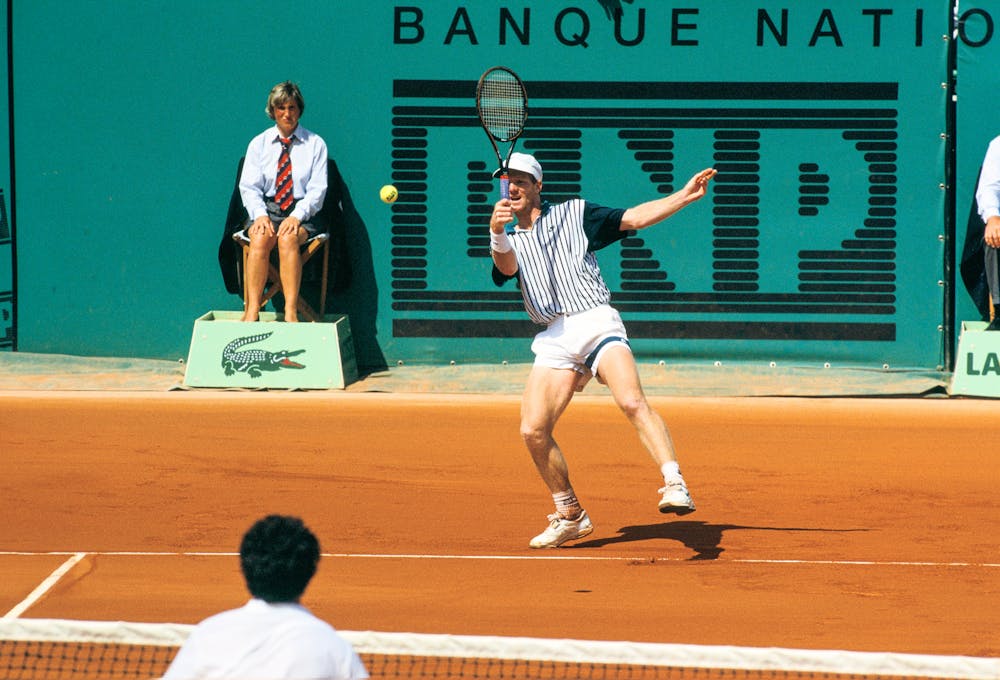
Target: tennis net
x=38 y=649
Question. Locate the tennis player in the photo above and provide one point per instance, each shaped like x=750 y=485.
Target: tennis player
x=550 y=250
x=272 y=637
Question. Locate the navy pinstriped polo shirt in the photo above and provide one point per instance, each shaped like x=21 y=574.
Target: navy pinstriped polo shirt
x=556 y=267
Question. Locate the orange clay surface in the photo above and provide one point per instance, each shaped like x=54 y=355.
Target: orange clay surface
x=859 y=524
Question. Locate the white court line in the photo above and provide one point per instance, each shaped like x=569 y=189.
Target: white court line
x=44 y=586
x=566 y=558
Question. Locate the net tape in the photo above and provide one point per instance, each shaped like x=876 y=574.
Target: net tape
x=395 y=654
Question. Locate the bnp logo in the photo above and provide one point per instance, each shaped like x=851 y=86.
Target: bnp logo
x=982 y=365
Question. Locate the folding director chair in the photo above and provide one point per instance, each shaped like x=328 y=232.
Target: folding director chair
x=318 y=243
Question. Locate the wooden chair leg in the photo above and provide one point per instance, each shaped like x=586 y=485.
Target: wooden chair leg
x=245 y=296
x=273 y=284
x=323 y=279
x=305 y=309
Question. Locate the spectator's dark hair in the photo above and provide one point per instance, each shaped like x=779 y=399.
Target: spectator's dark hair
x=278 y=556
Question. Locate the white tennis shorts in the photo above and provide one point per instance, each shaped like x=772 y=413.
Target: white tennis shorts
x=579 y=340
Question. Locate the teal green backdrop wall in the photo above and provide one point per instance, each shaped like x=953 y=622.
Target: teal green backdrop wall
x=829 y=236
x=7 y=275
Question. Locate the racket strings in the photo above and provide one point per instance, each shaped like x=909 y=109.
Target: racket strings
x=501 y=105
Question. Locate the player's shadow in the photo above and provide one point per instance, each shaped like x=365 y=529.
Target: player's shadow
x=703 y=538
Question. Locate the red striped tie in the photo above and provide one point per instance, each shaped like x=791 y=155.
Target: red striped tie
x=283 y=194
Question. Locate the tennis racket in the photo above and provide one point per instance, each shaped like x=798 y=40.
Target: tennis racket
x=502 y=104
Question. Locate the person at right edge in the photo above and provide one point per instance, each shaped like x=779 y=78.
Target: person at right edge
x=550 y=250
x=988 y=202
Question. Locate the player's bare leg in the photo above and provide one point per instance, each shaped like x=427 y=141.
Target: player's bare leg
x=290 y=259
x=618 y=371
x=258 y=255
x=546 y=396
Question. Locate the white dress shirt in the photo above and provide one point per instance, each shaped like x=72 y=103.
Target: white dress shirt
x=988 y=191
x=260 y=170
x=262 y=641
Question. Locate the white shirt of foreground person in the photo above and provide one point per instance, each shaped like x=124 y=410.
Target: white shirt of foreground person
x=262 y=641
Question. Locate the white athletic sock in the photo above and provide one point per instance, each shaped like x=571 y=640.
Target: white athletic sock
x=671 y=471
x=567 y=504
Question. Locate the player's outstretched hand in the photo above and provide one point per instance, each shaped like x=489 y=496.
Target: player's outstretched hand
x=697 y=186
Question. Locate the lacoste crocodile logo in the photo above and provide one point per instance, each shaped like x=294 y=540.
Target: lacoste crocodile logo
x=254 y=362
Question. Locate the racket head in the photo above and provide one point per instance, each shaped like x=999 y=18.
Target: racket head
x=502 y=104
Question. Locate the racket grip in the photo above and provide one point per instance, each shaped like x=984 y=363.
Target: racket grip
x=504 y=186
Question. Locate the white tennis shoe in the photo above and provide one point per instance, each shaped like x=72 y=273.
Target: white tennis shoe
x=676 y=498
x=561 y=530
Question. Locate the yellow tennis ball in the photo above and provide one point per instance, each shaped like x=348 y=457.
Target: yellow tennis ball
x=388 y=193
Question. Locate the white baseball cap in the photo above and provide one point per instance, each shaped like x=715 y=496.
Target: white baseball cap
x=525 y=163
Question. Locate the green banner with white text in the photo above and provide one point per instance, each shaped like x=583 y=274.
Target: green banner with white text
x=824 y=239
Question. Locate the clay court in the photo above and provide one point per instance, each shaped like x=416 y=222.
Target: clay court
x=862 y=524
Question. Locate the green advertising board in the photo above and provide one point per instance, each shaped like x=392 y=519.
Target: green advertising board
x=824 y=237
